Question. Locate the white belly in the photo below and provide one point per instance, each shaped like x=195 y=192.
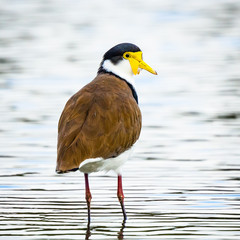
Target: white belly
x=100 y=164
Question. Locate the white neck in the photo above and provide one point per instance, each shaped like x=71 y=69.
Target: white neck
x=122 y=69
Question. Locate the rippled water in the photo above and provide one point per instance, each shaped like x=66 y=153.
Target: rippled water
x=183 y=180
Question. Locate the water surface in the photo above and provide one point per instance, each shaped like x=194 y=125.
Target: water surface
x=183 y=180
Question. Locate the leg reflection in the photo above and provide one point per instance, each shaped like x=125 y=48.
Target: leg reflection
x=120 y=233
x=88 y=232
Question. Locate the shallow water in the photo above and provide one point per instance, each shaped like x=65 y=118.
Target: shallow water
x=183 y=180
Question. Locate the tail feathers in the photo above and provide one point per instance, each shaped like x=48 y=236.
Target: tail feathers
x=66 y=171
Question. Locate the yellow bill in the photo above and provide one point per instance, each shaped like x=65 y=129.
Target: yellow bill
x=136 y=62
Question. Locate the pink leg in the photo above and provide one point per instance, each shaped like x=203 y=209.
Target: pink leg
x=121 y=196
x=88 y=196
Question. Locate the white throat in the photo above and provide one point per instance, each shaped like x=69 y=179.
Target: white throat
x=122 y=69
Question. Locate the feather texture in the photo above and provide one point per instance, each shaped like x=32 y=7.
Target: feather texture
x=102 y=120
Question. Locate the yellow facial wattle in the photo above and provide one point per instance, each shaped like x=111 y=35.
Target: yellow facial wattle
x=136 y=62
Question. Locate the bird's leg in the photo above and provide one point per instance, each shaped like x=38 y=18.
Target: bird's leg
x=121 y=196
x=88 y=196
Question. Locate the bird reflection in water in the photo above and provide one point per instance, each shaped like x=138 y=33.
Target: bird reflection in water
x=120 y=235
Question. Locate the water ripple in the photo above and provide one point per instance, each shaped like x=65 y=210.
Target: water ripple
x=182 y=181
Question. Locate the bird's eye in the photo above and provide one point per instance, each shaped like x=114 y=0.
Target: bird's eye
x=126 y=55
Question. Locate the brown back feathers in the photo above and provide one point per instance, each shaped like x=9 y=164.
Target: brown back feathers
x=101 y=120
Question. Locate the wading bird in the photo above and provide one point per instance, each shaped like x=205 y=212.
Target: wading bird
x=102 y=121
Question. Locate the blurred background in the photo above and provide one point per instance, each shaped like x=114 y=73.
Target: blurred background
x=182 y=181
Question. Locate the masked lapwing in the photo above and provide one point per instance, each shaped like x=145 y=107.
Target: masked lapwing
x=102 y=121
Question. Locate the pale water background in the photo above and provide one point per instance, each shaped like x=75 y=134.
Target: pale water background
x=183 y=179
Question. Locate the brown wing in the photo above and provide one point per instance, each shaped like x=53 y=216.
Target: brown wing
x=101 y=120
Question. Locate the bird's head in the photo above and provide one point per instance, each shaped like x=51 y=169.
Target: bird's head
x=124 y=60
